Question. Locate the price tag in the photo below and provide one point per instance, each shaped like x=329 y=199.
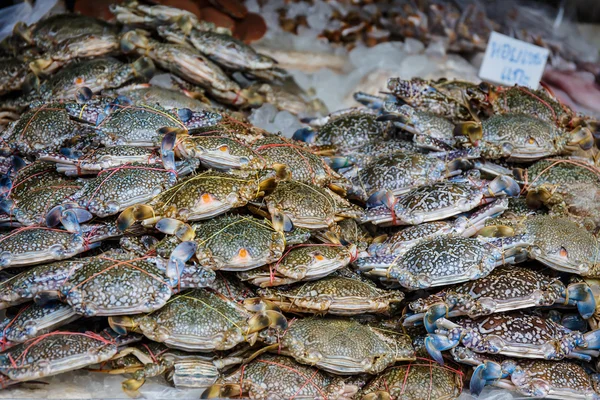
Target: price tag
x=508 y=61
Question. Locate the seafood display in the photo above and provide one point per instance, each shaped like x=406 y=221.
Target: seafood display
x=436 y=239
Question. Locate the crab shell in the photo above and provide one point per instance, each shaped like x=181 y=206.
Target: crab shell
x=278 y=376
x=422 y=379
x=344 y=346
x=307 y=206
x=335 y=295
x=197 y=320
x=514 y=334
x=237 y=243
x=55 y=353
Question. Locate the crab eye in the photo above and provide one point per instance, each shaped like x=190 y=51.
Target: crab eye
x=531 y=140
x=206 y=198
x=319 y=257
x=223 y=148
x=563 y=252
x=243 y=253
x=185 y=114
x=79 y=80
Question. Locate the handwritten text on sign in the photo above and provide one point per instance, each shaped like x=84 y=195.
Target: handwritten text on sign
x=508 y=61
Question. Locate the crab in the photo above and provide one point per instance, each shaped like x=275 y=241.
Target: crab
x=514 y=334
x=304 y=262
x=132 y=12
x=115 y=189
x=96 y=75
x=36 y=245
x=52 y=354
x=260 y=93
x=305 y=205
x=94 y=161
x=202 y=196
x=145 y=124
x=531 y=378
x=33 y=191
x=521 y=138
x=422 y=94
x=335 y=294
x=344 y=132
x=144 y=93
x=400 y=172
x=421 y=379
x=444 y=260
x=200 y=320
x=121 y=284
x=13 y=74
x=429 y=130
x=566 y=186
x=440 y=200
x=504 y=289
x=33 y=320
x=344 y=346
x=221 y=48
x=188 y=63
x=262 y=379
x=556 y=241
x=44 y=127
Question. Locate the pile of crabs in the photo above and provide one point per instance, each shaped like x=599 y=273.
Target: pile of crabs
x=440 y=236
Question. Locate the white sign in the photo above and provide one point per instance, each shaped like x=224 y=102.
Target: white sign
x=508 y=61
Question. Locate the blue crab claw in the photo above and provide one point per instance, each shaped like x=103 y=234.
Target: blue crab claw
x=70 y=153
x=144 y=67
x=306 y=134
x=5 y=185
x=504 y=185
x=485 y=372
x=574 y=322
x=175 y=227
x=436 y=343
x=381 y=198
x=17 y=163
x=45 y=297
x=584 y=298
x=7 y=206
x=434 y=313
x=593 y=340
x=281 y=222
x=180 y=255
x=338 y=162
x=69 y=216
x=185 y=114
x=84 y=94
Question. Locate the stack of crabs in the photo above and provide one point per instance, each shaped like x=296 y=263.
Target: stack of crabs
x=372 y=256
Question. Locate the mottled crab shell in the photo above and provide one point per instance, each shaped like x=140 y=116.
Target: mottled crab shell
x=504 y=289
x=219 y=152
x=237 y=243
x=421 y=379
x=350 y=131
x=281 y=377
x=196 y=320
x=55 y=353
x=344 y=346
x=336 y=295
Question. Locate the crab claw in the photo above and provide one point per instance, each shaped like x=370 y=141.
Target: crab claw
x=167 y=147
x=144 y=67
x=338 y=162
x=131 y=386
x=583 y=296
x=436 y=343
x=17 y=163
x=217 y=391
x=381 y=197
x=84 y=94
x=42 y=65
x=45 y=297
x=538 y=197
x=378 y=395
x=472 y=130
x=434 y=313
x=281 y=222
x=132 y=214
x=276 y=320
x=121 y=324
x=307 y=135
x=504 y=185
x=496 y=231
x=179 y=256
x=485 y=372
x=592 y=339
x=70 y=216
x=132 y=40
x=581 y=137
x=175 y=227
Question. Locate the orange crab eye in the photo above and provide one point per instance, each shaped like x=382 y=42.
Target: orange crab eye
x=531 y=140
x=319 y=257
x=223 y=148
x=243 y=253
x=563 y=252
x=79 y=80
x=206 y=198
